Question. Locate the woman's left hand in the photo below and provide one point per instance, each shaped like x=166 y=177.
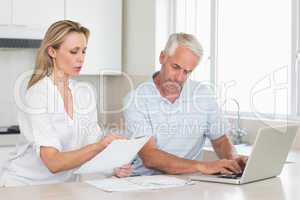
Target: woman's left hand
x=123 y=171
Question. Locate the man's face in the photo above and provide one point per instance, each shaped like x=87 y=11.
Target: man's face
x=176 y=69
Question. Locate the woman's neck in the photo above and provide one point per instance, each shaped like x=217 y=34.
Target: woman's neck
x=60 y=79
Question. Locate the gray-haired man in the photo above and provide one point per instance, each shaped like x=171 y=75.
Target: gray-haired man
x=179 y=114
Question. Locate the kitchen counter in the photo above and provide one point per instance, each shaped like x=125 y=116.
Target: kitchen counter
x=286 y=186
x=8 y=139
x=9 y=135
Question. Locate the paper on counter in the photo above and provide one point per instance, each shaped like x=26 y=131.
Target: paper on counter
x=118 y=153
x=138 y=183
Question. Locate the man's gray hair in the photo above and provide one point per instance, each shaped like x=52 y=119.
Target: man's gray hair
x=185 y=40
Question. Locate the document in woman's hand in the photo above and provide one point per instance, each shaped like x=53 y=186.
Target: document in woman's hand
x=118 y=153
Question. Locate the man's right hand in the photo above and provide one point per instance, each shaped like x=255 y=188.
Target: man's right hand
x=106 y=140
x=223 y=166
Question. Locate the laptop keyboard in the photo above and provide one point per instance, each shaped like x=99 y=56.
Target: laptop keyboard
x=231 y=176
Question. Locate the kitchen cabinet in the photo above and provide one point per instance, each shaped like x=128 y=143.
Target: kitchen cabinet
x=36 y=12
x=28 y=19
x=31 y=18
x=104 y=20
x=5 y=12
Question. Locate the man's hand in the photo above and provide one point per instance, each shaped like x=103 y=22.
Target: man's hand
x=241 y=160
x=223 y=166
x=123 y=171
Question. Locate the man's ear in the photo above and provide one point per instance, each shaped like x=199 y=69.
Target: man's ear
x=162 y=57
x=51 y=52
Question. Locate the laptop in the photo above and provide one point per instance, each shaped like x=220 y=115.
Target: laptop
x=268 y=156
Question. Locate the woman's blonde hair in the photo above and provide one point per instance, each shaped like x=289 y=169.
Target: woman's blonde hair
x=54 y=38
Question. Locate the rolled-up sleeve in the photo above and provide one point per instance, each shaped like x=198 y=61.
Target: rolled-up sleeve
x=217 y=124
x=43 y=131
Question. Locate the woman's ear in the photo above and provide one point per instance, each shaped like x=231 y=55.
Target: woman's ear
x=51 y=52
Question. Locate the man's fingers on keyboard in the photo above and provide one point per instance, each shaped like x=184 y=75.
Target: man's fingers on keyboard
x=232 y=166
x=225 y=171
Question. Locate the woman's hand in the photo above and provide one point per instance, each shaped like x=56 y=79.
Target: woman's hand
x=106 y=140
x=123 y=171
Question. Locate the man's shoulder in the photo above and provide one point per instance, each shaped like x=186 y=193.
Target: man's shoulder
x=199 y=87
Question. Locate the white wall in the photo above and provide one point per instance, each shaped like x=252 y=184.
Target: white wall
x=138 y=54
x=139 y=37
x=12 y=63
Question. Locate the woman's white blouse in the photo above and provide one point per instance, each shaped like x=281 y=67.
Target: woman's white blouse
x=44 y=122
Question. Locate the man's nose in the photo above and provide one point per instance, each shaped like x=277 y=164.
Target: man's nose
x=181 y=76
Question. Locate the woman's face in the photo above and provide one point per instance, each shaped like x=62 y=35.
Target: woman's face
x=69 y=57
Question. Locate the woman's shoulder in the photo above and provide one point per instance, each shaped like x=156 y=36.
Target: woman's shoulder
x=37 y=92
x=38 y=87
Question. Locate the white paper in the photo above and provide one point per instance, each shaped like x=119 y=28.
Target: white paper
x=118 y=153
x=138 y=183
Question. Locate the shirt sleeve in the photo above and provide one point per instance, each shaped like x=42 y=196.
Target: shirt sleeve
x=216 y=123
x=44 y=134
x=136 y=118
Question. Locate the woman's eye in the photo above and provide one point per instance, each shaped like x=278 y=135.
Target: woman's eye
x=73 y=52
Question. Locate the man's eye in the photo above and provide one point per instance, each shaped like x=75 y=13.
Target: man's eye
x=188 y=72
x=73 y=52
x=175 y=66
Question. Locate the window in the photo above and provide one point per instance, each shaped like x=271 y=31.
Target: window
x=254 y=53
x=189 y=16
x=250 y=51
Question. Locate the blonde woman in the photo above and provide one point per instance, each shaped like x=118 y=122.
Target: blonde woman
x=59 y=120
